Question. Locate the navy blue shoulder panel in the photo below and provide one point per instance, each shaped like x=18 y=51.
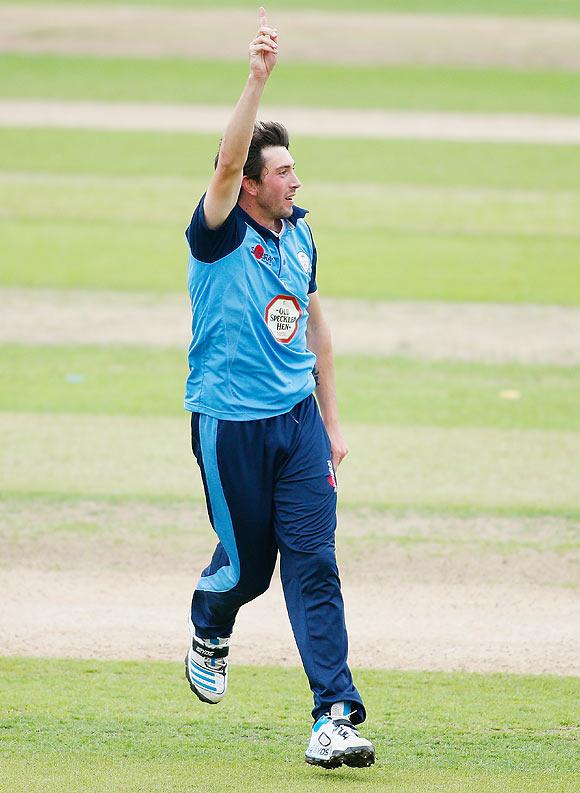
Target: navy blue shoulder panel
x=312 y=286
x=297 y=214
x=209 y=245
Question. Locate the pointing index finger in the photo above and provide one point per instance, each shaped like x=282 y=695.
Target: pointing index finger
x=262 y=17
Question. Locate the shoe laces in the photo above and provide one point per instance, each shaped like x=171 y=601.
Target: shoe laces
x=213 y=664
x=347 y=723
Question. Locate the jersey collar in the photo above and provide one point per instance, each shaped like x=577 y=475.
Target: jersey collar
x=297 y=214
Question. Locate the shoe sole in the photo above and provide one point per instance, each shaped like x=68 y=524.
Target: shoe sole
x=192 y=685
x=359 y=758
x=354 y=758
x=329 y=765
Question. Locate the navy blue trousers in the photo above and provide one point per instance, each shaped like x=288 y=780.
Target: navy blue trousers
x=270 y=488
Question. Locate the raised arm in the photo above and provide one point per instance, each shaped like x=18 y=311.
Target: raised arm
x=224 y=188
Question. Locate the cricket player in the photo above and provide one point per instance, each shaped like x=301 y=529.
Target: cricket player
x=267 y=449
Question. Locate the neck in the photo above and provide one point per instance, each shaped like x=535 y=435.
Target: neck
x=257 y=214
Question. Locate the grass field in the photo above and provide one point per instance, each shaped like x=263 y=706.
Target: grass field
x=53 y=525
x=442 y=411
x=454 y=231
x=154 y=258
x=116 y=380
x=400 y=162
x=103 y=729
x=215 y=82
x=449 y=484
x=433 y=467
x=562 y=8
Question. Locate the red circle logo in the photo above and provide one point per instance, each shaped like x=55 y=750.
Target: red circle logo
x=258 y=251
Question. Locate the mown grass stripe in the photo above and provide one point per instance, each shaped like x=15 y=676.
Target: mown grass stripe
x=133 y=724
x=477 y=468
x=30 y=523
x=398 y=208
x=527 y=166
x=196 y=501
x=140 y=381
x=557 y=8
x=416 y=241
x=218 y=82
x=407 y=265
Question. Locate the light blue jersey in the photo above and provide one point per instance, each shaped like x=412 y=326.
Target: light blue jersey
x=249 y=294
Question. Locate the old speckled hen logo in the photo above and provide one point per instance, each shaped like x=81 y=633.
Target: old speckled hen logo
x=282 y=315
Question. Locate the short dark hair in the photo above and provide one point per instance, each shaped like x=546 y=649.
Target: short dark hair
x=266 y=133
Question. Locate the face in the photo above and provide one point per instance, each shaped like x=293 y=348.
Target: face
x=275 y=193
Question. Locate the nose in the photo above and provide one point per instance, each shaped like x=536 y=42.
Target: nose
x=296 y=183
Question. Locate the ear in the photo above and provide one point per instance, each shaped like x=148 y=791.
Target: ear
x=249 y=185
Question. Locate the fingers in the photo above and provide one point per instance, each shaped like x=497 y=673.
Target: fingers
x=270 y=34
x=265 y=40
x=338 y=455
x=264 y=44
x=271 y=37
x=263 y=27
x=262 y=48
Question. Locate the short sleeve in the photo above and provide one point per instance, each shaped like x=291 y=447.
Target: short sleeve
x=210 y=245
x=312 y=286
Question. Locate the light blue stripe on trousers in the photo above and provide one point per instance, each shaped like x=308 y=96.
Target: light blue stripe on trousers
x=229 y=575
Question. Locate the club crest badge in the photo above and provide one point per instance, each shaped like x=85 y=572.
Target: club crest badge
x=305 y=262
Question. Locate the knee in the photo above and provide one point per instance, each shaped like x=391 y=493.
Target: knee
x=254 y=587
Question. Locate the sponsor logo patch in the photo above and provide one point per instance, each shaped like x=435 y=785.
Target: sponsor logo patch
x=258 y=251
x=282 y=315
x=261 y=254
x=203 y=651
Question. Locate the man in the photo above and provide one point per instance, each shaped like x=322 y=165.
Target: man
x=260 y=348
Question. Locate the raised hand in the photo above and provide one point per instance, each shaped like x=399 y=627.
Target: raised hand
x=264 y=48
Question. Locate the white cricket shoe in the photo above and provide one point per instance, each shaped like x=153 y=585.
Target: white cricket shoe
x=206 y=668
x=335 y=741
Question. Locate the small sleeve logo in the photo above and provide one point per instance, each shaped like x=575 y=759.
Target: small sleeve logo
x=258 y=251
